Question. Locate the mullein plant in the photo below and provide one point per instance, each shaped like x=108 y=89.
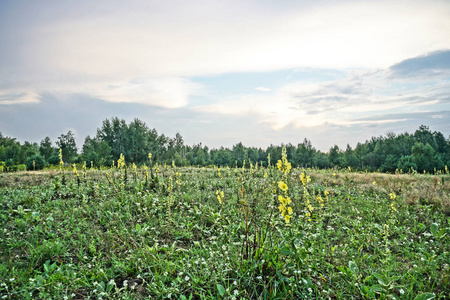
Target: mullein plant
x=77 y=175
x=121 y=165
x=61 y=164
x=305 y=179
x=393 y=196
x=285 y=202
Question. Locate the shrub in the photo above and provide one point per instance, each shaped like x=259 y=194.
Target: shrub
x=21 y=167
x=53 y=160
x=35 y=162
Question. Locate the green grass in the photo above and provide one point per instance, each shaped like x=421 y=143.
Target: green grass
x=120 y=236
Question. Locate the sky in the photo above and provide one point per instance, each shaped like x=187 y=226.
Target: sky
x=222 y=72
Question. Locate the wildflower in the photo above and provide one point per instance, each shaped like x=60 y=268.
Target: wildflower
x=393 y=196
x=393 y=207
x=121 y=161
x=61 y=163
x=220 y=196
x=283 y=186
x=287 y=218
x=289 y=210
x=305 y=178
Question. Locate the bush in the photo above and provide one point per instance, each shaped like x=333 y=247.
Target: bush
x=35 y=162
x=1 y=169
x=53 y=160
x=21 y=167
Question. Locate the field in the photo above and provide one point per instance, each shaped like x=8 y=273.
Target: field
x=230 y=233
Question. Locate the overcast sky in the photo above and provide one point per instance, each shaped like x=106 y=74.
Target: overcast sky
x=220 y=72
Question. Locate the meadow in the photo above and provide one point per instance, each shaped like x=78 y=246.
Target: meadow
x=165 y=232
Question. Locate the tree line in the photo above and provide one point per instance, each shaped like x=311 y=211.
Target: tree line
x=421 y=151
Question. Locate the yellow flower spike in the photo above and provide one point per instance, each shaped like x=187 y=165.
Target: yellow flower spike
x=289 y=210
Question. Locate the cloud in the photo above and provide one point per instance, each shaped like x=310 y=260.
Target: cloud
x=58 y=47
x=431 y=64
x=343 y=102
x=168 y=92
x=262 y=89
x=18 y=98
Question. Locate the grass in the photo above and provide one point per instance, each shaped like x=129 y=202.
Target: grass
x=118 y=234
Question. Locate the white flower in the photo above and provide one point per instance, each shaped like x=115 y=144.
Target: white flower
x=186 y=278
x=401 y=291
x=236 y=292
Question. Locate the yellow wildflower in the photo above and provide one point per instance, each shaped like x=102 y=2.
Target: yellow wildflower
x=287 y=218
x=393 y=207
x=283 y=186
x=279 y=164
x=220 y=196
x=282 y=200
x=393 y=196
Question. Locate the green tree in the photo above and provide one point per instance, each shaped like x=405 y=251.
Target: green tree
x=406 y=163
x=66 y=142
x=96 y=151
x=304 y=154
x=335 y=158
x=46 y=149
x=425 y=157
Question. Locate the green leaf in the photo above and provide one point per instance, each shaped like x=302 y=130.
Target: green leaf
x=441 y=233
x=182 y=297
x=138 y=228
x=393 y=296
x=381 y=279
x=353 y=267
x=221 y=290
x=377 y=288
x=286 y=250
x=434 y=228
x=425 y=296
